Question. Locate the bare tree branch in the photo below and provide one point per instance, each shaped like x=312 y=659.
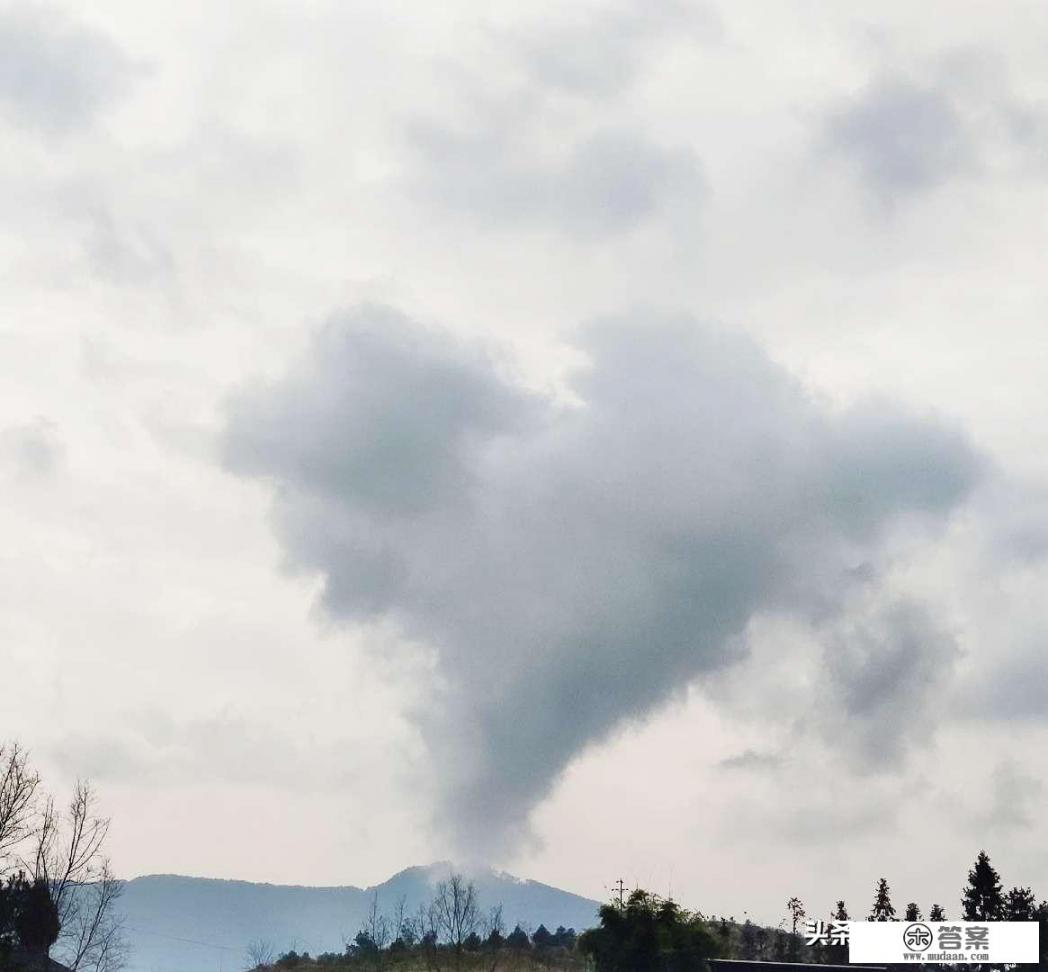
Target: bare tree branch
x=494 y=935
x=399 y=918
x=260 y=953
x=18 y=788
x=68 y=857
x=427 y=935
x=456 y=912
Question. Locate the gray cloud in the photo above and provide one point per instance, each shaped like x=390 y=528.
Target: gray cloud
x=55 y=74
x=1014 y=801
x=800 y=799
x=515 y=159
x=751 y=760
x=1017 y=515
x=135 y=255
x=598 y=53
x=609 y=182
x=907 y=134
x=575 y=566
x=35 y=448
x=902 y=137
x=835 y=820
x=1011 y=689
x=884 y=683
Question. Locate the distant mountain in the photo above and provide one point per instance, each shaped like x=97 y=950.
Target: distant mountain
x=186 y=924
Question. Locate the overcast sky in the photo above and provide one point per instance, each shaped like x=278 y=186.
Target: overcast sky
x=598 y=439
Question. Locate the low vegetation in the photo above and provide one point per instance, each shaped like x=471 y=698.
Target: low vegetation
x=641 y=933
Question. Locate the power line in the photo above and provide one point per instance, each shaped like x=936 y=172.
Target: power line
x=187 y=941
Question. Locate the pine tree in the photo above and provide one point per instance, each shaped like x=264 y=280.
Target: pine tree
x=495 y=940
x=1020 y=904
x=564 y=937
x=937 y=913
x=838 y=954
x=797 y=914
x=982 y=899
x=518 y=939
x=913 y=912
x=882 y=903
x=542 y=938
x=1041 y=915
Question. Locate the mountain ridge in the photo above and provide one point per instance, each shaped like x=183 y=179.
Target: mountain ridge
x=194 y=924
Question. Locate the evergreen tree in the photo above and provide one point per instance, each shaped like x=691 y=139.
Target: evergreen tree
x=564 y=937
x=1020 y=904
x=542 y=937
x=37 y=922
x=9 y=900
x=518 y=939
x=838 y=954
x=365 y=945
x=495 y=940
x=982 y=899
x=1041 y=916
x=913 y=912
x=795 y=908
x=28 y=915
x=937 y=913
x=882 y=904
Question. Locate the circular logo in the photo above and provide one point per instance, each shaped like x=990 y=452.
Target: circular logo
x=917 y=937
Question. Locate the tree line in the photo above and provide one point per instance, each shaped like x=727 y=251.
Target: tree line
x=642 y=933
x=58 y=894
x=651 y=934
x=450 y=931
x=983 y=898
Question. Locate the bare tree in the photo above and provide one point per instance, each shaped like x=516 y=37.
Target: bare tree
x=456 y=912
x=377 y=925
x=399 y=921
x=69 y=859
x=260 y=953
x=376 y=933
x=494 y=932
x=425 y=931
x=18 y=787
